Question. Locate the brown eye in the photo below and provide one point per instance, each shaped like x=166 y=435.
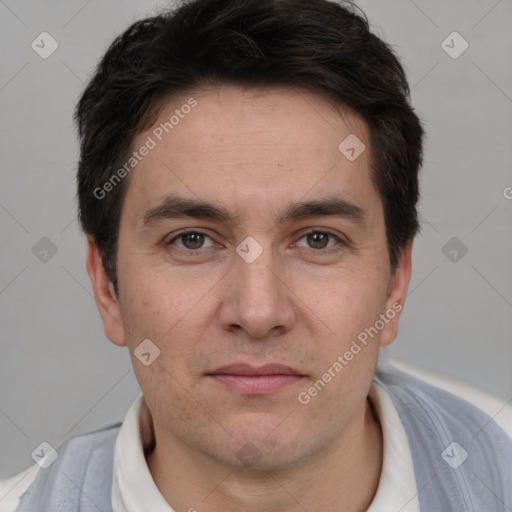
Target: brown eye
x=191 y=240
x=318 y=240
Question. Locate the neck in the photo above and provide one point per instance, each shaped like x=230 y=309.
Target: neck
x=343 y=476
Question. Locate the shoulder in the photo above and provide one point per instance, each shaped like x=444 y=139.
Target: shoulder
x=456 y=393
x=76 y=452
x=460 y=439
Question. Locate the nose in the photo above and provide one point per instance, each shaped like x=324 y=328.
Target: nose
x=257 y=296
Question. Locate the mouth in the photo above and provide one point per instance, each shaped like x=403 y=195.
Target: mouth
x=249 y=380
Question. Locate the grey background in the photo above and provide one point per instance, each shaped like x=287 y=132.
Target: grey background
x=60 y=376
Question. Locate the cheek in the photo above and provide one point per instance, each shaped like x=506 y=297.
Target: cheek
x=174 y=316
x=349 y=348
x=350 y=306
x=165 y=394
x=156 y=300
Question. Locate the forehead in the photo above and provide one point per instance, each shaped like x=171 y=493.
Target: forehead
x=265 y=145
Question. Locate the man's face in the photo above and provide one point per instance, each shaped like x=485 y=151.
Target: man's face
x=298 y=292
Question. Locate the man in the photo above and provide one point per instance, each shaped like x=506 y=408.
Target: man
x=248 y=182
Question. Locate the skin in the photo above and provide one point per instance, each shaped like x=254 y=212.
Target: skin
x=255 y=153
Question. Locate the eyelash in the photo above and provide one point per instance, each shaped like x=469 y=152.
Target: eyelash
x=192 y=252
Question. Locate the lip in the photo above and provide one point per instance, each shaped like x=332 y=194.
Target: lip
x=250 y=380
x=247 y=369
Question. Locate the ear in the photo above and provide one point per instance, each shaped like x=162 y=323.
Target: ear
x=104 y=294
x=396 y=295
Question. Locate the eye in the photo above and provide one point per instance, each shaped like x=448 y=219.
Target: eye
x=195 y=240
x=191 y=240
x=320 y=240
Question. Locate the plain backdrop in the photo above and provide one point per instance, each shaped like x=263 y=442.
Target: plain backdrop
x=60 y=376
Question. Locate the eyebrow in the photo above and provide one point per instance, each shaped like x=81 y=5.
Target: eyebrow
x=173 y=207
